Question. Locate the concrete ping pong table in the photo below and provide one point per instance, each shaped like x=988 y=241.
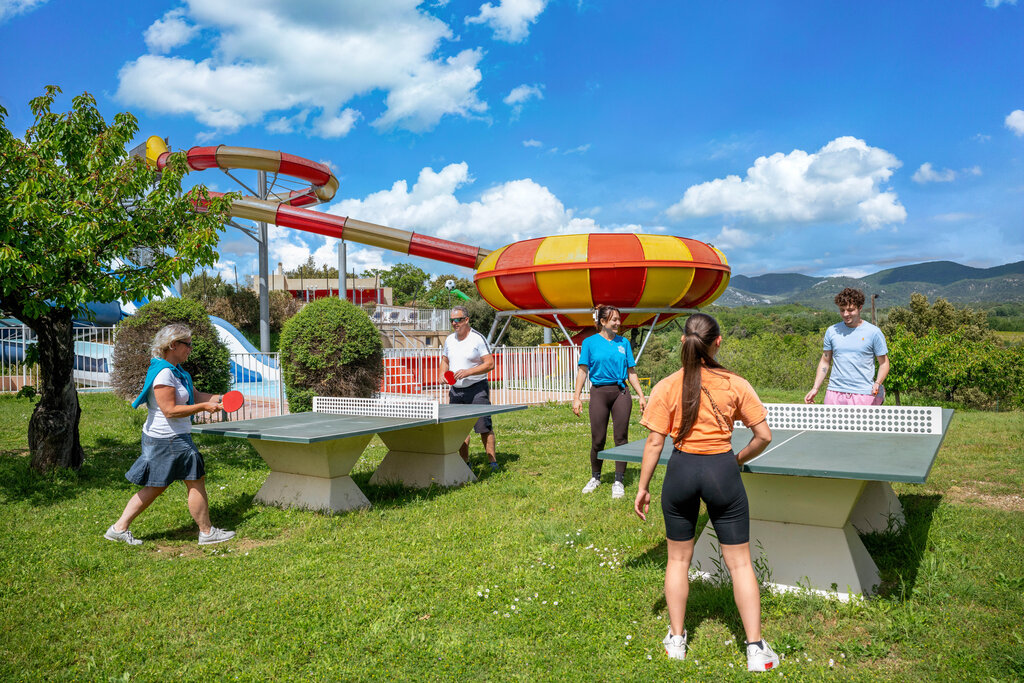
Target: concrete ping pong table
x=310 y=455
x=824 y=476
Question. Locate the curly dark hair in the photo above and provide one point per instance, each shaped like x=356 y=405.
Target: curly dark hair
x=850 y=296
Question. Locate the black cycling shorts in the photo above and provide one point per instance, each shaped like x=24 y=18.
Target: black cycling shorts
x=715 y=479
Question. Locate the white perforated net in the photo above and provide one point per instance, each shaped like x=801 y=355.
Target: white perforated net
x=376 y=407
x=881 y=419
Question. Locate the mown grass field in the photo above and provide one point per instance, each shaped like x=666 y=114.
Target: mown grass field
x=516 y=577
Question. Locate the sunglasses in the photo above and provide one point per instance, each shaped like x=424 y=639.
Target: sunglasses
x=188 y=344
x=459 y=320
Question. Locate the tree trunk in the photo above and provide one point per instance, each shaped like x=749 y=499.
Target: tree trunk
x=53 y=439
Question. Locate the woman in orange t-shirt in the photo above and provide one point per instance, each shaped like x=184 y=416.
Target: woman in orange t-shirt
x=697 y=406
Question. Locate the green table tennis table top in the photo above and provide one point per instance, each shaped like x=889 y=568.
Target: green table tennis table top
x=831 y=454
x=316 y=427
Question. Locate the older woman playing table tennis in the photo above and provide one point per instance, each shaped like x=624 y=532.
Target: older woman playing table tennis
x=168 y=453
x=697 y=406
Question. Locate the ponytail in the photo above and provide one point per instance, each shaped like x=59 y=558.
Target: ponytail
x=601 y=313
x=699 y=335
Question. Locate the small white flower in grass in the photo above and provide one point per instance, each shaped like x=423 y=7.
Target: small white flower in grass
x=730 y=665
x=629 y=637
x=544 y=602
x=831 y=662
x=480 y=594
x=223 y=487
x=556 y=602
x=842 y=655
x=507 y=615
x=517 y=599
x=495 y=612
x=648 y=656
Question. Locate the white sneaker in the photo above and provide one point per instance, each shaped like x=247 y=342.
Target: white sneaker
x=761 y=658
x=618 y=490
x=215 y=536
x=591 y=485
x=675 y=646
x=122 y=536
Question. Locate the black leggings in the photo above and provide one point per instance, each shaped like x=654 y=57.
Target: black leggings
x=715 y=479
x=608 y=400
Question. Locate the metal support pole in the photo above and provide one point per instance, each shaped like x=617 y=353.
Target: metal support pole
x=342 y=274
x=547 y=335
x=264 y=274
x=649 y=332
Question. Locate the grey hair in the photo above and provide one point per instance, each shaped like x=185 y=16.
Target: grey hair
x=462 y=310
x=167 y=335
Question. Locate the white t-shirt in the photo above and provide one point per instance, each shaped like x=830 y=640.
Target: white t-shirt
x=157 y=425
x=466 y=353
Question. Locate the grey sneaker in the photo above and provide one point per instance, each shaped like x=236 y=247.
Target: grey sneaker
x=761 y=658
x=591 y=485
x=122 y=536
x=618 y=490
x=215 y=536
x=675 y=646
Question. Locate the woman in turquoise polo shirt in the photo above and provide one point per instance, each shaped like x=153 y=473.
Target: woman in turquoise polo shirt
x=608 y=358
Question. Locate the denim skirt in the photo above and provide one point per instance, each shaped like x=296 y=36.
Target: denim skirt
x=165 y=461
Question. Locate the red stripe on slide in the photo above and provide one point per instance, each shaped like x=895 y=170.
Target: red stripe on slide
x=311 y=221
x=443 y=250
x=202 y=158
x=310 y=171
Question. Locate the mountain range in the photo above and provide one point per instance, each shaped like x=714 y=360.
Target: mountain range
x=952 y=281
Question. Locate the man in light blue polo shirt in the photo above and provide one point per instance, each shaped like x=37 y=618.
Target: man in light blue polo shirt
x=851 y=348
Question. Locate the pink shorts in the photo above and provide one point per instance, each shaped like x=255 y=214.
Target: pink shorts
x=840 y=398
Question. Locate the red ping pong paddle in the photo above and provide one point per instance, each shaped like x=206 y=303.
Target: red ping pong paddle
x=449 y=377
x=232 y=401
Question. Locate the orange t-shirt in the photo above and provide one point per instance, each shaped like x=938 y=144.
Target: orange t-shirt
x=735 y=398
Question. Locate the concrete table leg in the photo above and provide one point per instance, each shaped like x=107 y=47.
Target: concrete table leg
x=313 y=476
x=878 y=509
x=423 y=456
x=800 y=534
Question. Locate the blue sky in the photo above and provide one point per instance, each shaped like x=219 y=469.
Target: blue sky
x=821 y=138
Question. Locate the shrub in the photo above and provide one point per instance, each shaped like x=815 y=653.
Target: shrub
x=282 y=307
x=330 y=348
x=209 y=363
x=778 y=361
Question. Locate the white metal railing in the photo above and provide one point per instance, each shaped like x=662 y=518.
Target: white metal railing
x=404 y=317
x=258 y=377
x=94 y=347
x=520 y=375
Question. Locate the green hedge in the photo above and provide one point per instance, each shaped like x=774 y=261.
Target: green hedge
x=330 y=348
x=209 y=363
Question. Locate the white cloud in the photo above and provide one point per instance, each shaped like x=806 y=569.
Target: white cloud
x=169 y=32
x=578 y=150
x=281 y=57
x=927 y=174
x=997 y=3
x=11 y=8
x=841 y=182
x=734 y=238
x=337 y=126
x=523 y=93
x=1015 y=122
x=532 y=143
x=511 y=19
x=509 y=212
x=973 y=170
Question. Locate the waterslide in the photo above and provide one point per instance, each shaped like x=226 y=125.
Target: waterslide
x=286 y=209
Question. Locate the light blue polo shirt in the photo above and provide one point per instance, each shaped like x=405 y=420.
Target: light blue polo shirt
x=853 y=356
x=607 y=361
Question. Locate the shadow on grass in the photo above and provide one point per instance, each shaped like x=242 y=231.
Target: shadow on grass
x=899 y=554
x=225 y=514
x=396 y=495
x=106 y=461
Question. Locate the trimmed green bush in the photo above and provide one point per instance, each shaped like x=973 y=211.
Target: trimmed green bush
x=209 y=363
x=330 y=348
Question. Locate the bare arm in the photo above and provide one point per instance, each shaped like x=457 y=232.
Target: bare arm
x=883 y=372
x=166 y=401
x=634 y=382
x=819 y=376
x=581 y=378
x=652 y=453
x=762 y=436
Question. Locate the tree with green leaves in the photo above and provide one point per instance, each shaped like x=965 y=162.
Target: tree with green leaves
x=81 y=221
x=408 y=283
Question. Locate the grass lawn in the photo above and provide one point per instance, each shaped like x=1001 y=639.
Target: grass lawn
x=516 y=577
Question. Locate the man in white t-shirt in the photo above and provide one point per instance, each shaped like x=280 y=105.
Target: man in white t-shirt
x=467 y=354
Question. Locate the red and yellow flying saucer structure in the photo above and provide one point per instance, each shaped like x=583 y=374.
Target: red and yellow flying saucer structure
x=551 y=281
